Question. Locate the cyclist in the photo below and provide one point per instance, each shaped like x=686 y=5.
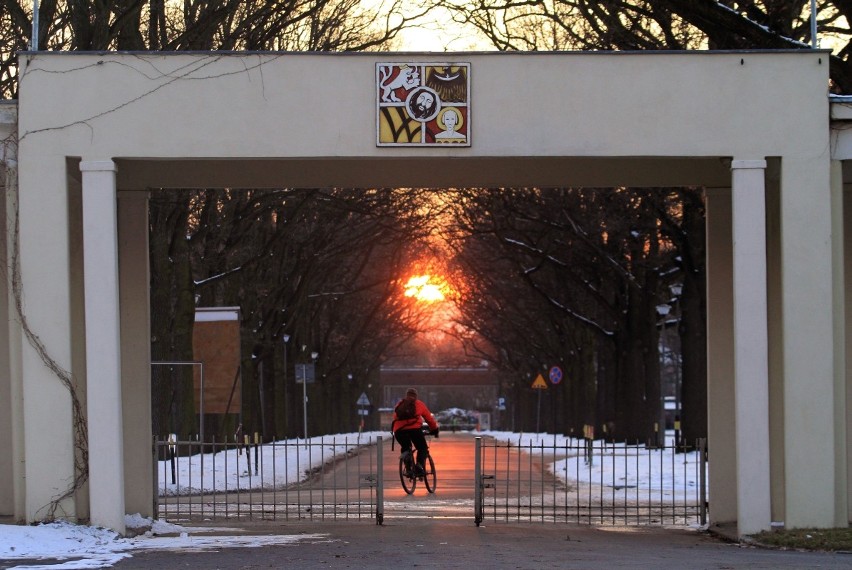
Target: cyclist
x=408 y=417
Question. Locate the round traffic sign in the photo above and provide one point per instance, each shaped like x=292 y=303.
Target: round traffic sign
x=555 y=375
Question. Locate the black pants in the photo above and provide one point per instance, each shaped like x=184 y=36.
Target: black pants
x=407 y=437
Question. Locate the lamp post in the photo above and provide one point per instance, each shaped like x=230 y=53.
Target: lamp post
x=814 y=42
x=281 y=406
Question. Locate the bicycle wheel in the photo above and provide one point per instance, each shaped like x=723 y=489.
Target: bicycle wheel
x=431 y=478
x=408 y=480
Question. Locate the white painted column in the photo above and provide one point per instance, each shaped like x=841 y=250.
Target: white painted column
x=135 y=350
x=846 y=372
x=813 y=405
x=751 y=346
x=45 y=356
x=721 y=420
x=839 y=225
x=103 y=360
x=12 y=476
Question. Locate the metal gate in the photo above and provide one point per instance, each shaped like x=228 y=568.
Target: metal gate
x=590 y=482
x=341 y=477
x=320 y=478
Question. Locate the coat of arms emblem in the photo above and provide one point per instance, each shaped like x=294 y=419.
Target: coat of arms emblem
x=423 y=104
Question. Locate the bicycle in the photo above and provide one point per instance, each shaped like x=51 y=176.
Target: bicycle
x=409 y=478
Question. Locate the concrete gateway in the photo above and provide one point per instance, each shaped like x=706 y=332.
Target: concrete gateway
x=95 y=131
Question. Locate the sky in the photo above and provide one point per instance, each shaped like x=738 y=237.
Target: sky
x=439 y=34
x=83 y=547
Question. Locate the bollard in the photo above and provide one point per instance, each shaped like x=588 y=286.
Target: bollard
x=477 y=478
x=702 y=478
x=248 y=453
x=171 y=452
x=380 y=483
x=256 y=451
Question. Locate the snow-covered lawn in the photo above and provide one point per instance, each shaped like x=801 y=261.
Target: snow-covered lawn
x=275 y=464
x=623 y=468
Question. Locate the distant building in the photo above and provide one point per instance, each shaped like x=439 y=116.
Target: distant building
x=473 y=389
x=442 y=388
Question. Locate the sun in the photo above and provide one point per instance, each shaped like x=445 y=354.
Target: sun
x=426 y=288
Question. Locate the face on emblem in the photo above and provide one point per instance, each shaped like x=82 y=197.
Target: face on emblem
x=423 y=104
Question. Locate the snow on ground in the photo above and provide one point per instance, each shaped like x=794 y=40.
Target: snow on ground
x=85 y=547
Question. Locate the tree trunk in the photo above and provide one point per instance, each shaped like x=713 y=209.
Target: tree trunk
x=693 y=323
x=172 y=319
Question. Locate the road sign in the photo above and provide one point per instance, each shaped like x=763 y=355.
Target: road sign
x=555 y=375
x=363 y=400
x=363 y=412
x=539 y=383
x=501 y=403
x=305 y=373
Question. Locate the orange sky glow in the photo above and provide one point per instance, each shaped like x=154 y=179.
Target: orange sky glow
x=426 y=288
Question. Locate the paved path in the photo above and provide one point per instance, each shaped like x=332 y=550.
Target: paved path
x=419 y=543
x=454 y=466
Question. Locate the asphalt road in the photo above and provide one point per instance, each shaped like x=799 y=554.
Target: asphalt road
x=423 y=543
x=453 y=455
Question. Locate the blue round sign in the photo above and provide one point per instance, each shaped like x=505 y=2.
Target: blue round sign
x=555 y=375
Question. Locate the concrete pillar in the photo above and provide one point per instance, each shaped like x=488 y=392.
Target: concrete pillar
x=721 y=420
x=48 y=415
x=11 y=390
x=841 y=222
x=813 y=405
x=751 y=346
x=6 y=440
x=774 y=277
x=103 y=359
x=837 y=178
x=135 y=350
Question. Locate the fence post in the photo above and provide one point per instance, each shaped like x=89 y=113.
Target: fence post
x=702 y=477
x=155 y=498
x=380 y=482
x=170 y=454
x=477 y=481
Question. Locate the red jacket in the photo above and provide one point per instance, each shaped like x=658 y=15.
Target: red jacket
x=420 y=411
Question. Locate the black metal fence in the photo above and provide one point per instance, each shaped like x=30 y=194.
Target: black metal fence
x=590 y=482
x=323 y=477
x=539 y=479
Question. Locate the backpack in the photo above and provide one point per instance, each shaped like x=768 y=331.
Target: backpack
x=405 y=410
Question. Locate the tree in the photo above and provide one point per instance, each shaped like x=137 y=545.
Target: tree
x=324 y=267
x=572 y=277
x=139 y=25
x=173 y=315
x=521 y=25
